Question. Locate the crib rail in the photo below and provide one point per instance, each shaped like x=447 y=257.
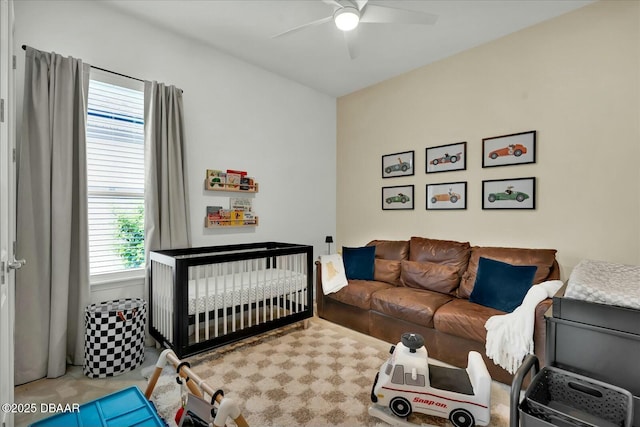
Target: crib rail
x=206 y=297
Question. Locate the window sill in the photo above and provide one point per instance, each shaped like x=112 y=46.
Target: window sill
x=103 y=282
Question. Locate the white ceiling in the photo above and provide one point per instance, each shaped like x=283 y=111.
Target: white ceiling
x=317 y=56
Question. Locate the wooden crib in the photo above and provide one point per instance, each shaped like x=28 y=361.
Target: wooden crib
x=202 y=298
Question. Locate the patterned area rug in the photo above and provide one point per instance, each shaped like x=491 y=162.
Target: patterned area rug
x=293 y=376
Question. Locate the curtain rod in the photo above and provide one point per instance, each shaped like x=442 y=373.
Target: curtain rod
x=24 y=47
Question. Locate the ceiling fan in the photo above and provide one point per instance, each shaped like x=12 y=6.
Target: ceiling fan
x=348 y=14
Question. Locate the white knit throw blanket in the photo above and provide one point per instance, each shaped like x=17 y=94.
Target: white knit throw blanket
x=510 y=336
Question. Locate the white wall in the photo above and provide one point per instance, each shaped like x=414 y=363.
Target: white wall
x=237 y=116
x=575 y=79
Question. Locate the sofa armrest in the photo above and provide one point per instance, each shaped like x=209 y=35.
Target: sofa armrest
x=319 y=291
x=539 y=330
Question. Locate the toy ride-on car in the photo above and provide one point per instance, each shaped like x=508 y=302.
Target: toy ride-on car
x=407 y=383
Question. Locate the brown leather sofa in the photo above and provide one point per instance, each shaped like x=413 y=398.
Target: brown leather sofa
x=423 y=285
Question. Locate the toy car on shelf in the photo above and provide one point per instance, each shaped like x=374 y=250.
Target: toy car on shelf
x=447 y=158
x=407 y=383
x=510 y=150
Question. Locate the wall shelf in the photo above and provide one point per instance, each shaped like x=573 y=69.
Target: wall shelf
x=234 y=188
x=230 y=223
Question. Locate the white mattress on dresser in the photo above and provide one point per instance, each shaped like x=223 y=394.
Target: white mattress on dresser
x=605 y=283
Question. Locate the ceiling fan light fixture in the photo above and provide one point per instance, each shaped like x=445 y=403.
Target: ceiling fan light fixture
x=346 y=18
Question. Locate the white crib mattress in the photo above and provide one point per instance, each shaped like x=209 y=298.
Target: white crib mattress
x=243 y=288
x=605 y=283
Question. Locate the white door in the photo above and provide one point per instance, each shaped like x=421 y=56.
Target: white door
x=7 y=208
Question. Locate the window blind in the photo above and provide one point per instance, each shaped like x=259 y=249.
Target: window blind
x=115 y=175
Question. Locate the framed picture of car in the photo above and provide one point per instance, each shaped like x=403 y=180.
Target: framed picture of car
x=397 y=197
x=447 y=196
x=515 y=193
x=445 y=158
x=397 y=164
x=505 y=150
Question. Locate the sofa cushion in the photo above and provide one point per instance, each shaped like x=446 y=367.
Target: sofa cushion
x=358 y=293
x=391 y=249
x=430 y=276
x=445 y=252
x=412 y=305
x=358 y=262
x=541 y=258
x=501 y=285
x=464 y=319
x=386 y=270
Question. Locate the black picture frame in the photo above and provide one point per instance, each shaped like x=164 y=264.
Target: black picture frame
x=398 y=164
x=509 y=150
x=398 y=197
x=511 y=193
x=446 y=196
x=446 y=158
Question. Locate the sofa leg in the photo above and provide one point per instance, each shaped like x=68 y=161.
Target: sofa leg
x=305 y=324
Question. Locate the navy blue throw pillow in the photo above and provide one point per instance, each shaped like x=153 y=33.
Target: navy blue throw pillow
x=359 y=262
x=500 y=285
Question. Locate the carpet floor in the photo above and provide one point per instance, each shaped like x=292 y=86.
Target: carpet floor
x=318 y=376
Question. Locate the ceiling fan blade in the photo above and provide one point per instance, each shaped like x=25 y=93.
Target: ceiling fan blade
x=308 y=24
x=374 y=14
x=332 y=3
x=361 y=3
x=351 y=39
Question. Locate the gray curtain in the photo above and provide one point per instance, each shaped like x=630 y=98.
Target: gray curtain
x=52 y=289
x=165 y=201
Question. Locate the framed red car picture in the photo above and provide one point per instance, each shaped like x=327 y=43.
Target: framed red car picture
x=445 y=158
x=506 y=150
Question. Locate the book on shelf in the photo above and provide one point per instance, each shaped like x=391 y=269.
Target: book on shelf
x=246 y=183
x=215 y=179
x=233 y=180
x=241 y=203
x=249 y=218
x=237 y=217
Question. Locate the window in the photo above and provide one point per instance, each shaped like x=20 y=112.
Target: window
x=115 y=174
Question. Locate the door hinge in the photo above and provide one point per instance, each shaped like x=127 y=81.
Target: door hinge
x=2 y=273
x=14 y=155
x=2 y=110
x=14 y=62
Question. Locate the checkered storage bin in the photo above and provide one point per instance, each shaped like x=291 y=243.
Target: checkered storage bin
x=114 y=337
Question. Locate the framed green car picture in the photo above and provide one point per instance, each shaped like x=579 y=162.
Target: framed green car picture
x=515 y=193
x=398 y=197
x=397 y=164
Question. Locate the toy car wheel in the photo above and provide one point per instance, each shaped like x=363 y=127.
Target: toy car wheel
x=403 y=200
x=433 y=200
x=400 y=407
x=520 y=197
x=493 y=156
x=492 y=198
x=453 y=199
x=517 y=153
x=461 y=418
x=374 y=398
x=454 y=159
x=435 y=162
x=404 y=168
x=387 y=170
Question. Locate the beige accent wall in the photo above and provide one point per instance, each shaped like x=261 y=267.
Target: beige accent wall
x=574 y=79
